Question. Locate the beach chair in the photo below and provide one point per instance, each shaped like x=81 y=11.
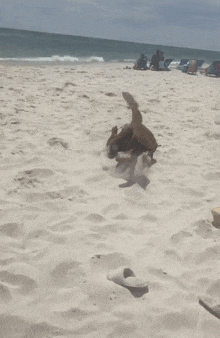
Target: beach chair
x=199 y=63
x=141 y=63
x=163 y=65
x=192 y=66
x=183 y=62
x=167 y=62
x=213 y=69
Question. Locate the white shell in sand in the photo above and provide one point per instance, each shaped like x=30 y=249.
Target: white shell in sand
x=216 y=216
x=126 y=277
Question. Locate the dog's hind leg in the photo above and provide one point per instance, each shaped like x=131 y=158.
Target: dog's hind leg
x=132 y=166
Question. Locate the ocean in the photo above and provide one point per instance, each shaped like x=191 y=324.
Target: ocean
x=36 y=47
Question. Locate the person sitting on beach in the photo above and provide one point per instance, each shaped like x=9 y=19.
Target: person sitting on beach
x=141 y=63
x=213 y=69
x=155 y=60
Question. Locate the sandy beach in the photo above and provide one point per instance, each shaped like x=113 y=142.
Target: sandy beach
x=67 y=220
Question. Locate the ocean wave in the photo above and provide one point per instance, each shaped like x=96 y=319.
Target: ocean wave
x=130 y=60
x=95 y=59
x=56 y=58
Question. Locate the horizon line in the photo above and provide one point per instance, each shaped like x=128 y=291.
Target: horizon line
x=92 y=37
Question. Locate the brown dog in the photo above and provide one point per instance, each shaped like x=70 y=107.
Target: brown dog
x=134 y=137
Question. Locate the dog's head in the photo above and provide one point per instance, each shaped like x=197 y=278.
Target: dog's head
x=112 y=147
x=112 y=150
x=119 y=142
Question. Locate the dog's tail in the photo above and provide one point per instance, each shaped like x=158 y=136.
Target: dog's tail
x=133 y=105
x=130 y=100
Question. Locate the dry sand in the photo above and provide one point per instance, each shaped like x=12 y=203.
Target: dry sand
x=66 y=223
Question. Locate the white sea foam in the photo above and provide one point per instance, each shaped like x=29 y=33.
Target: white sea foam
x=56 y=58
x=129 y=60
x=95 y=59
x=174 y=64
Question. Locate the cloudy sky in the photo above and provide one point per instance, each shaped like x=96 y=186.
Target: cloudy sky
x=183 y=23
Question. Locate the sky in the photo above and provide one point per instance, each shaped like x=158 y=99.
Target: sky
x=181 y=23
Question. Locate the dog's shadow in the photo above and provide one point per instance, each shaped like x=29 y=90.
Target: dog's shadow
x=125 y=169
x=142 y=181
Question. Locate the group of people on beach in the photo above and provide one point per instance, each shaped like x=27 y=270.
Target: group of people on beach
x=154 y=63
x=189 y=67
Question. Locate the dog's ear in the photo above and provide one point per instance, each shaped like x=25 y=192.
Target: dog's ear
x=115 y=130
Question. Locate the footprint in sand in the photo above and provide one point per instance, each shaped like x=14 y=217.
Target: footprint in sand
x=5 y=295
x=11 y=229
x=154 y=101
x=110 y=94
x=104 y=231
x=180 y=237
x=111 y=208
x=148 y=218
x=15 y=326
x=203 y=229
x=214 y=135
x=210 y=254
x=212 y=176
x=95 y=218
x=65 y=225
x=31 y=178
x=67 y=273
x=19 y=282
x=122 y=329
x=173 y=255
x=57 y=141
x=38 y=172
x=74 y=193
x=175 y=321
x=60 y=194
x=45 y=235
x=121 y=217
x=67 y=84
x=217 y=121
